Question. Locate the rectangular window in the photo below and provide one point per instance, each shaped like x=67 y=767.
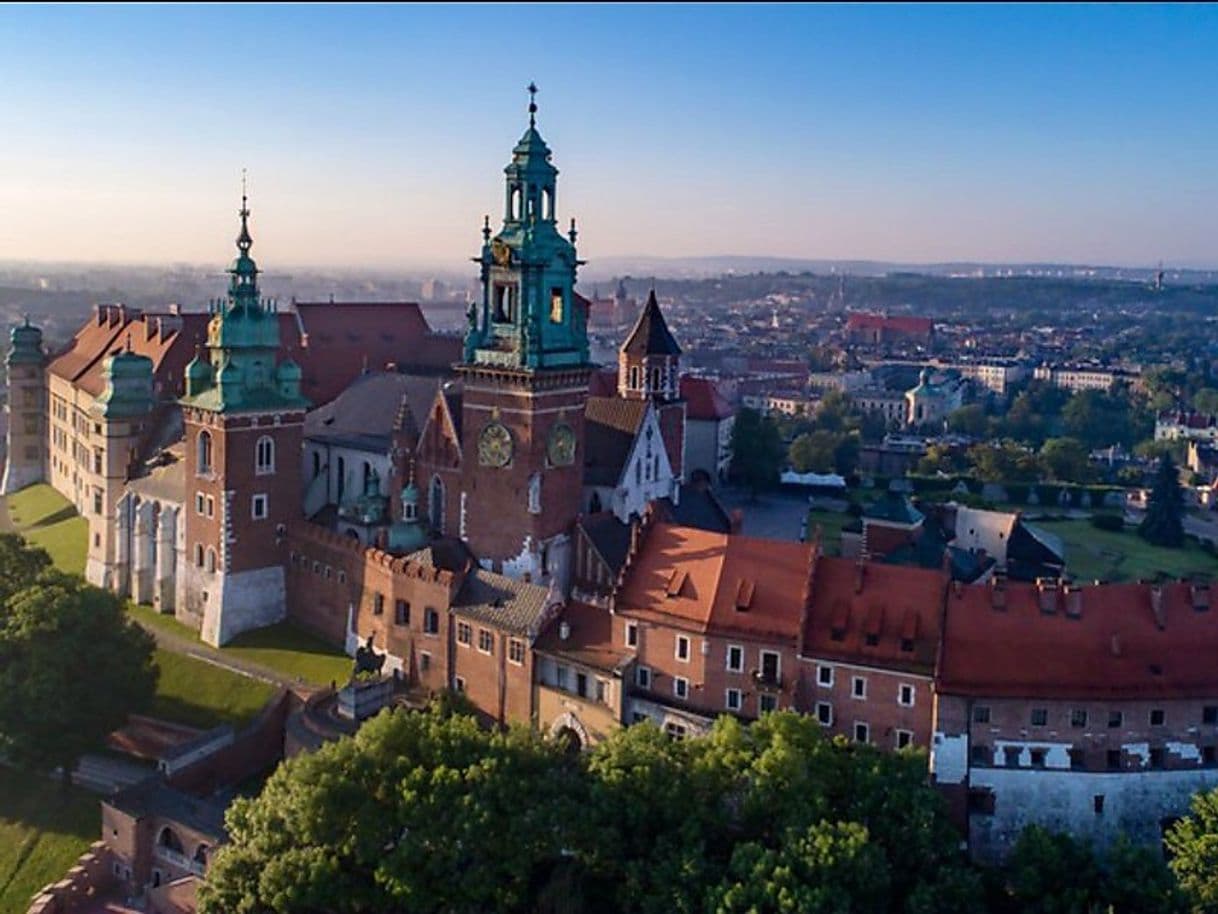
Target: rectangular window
x=211 y=506
x=735 y=658
x=97 y=502
x=1097 y=803
x=905 y=695
x=1038 y=758
x=516 y=651
x=862 y=733
x=1209 y=714
x=732 y=702
x=460 y=683
x=431 y=622
x=486 y=641
x=682 y=650
x=401 y=611
x=1078 y=718
x=767 y=702
x=378 y=600
x=642 y=677
x=581 y=684
x=602 y=691
x=858 y=687
x=259 y=507
x=771 y=667
x=632 y=634
x=1115 y=718
x=981 y=714
x=824 y=713
x=424 y=661
x=562 y=678
x=1010 y=756
x=1040 y=717
x=1157 y=717
x=97 y=460
x=904 y=738
x=676 y=731
x=199 y=504
x=465 y=633
x=1113 y=759
x=824 y=676
x=556 y=306
x=680 y=687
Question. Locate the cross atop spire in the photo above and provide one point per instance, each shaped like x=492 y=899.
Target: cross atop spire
x=532 y=89
x=244 y=241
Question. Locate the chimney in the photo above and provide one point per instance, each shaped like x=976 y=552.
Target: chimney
x=1074 y=602
x=564 y=630
x=1157 y=607
x=1047 y=590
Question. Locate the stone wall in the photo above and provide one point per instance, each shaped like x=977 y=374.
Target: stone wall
x=91 y=878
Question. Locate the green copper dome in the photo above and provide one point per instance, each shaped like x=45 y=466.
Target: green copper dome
x=128 y=391
x=26 y=348
x=407 y=533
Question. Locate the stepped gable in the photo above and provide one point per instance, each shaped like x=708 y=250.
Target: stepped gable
x=1103 y=641
x=882 y=615
x=168 y=338
x=333 y=342
x=718 y=582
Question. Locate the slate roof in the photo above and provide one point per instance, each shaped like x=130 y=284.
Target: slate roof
x=153 y=797
x=611 y=425
x=515 y=606
x=698 y=507
x=609 y=536
x=651 y=335
x=365 y=414
x=894 y=508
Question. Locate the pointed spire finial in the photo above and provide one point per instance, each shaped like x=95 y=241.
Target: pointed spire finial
x=532 y=104
x=486 y=229
x=572 y=234
x=244 y=241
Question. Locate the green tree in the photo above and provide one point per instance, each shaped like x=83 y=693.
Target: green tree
x=421 y=812
x=1206 y=400
x=20 y=564
x=968 y=420
x=814 y=452
x=1163 y=524
x=1098 y=418
x=72 y=667
x=1136 y=880
x=757 y=451
x=1066 y=460
x=1193 y=843
x=828 y=868
x=1051 y=873
x=1005 y=462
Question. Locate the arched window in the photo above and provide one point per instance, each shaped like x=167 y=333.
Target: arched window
x=634 y=377
x=435 y=505
x=199 y=554
x=264 y=459
x=515 y=202
x=203 y=458
x=169 y=840
x=211 y=559
x=547 y=204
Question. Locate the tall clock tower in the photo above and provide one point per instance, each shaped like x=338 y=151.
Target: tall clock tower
x=525 y=376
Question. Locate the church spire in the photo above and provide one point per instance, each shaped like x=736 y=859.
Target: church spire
x=532 y=104
x=243 y=287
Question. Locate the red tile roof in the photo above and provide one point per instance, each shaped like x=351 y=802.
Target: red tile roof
x=901 y=324
x=703 y=400
x=589 y=637
x=716 y=582
x=897 y=606
x=1101 y=641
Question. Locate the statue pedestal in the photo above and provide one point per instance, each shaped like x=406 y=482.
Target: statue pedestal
x=361 y=699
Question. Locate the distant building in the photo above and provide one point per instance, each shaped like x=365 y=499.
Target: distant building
x=876 y=329
x=1076 y=378
x=998 y=376
x=709 y=418
x=888 y=403
x=932 y=402
x=846 y=381
x=1178 y=424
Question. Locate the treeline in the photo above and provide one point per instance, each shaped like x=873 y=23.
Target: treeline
x=427 y=812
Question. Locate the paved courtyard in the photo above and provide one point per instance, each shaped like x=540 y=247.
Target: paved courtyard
x=774 y=515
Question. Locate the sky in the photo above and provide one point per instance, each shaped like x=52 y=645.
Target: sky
x=376 y=135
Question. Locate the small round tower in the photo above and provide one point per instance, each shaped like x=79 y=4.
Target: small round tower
x=26 y=433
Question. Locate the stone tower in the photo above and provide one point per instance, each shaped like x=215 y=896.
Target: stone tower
x=648 y=365
x=243 y=415
x=118 y=557
x=27 y=423
x=525 y=378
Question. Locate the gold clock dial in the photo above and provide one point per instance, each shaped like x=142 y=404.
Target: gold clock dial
x=494 y=446
x=561 y=446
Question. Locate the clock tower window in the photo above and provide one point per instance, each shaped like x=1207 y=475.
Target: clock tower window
x=556 y=306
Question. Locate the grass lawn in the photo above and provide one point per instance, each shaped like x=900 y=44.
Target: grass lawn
x=43 y=829
x=47 y=519
x=830 y=523
x=201 y=695
x=1108 y=556
x=292 y=651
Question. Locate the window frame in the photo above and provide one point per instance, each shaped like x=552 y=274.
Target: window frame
x=821 y=670
x=465 y=634
x=486 y=635
x=632 y=634
x=264 y=500
x=687 y=642
x=727 y=699
x=516 y=646
x=680 y=688
x=855 y=692
x=739 y=667
x=913 y=695
x=642 y=677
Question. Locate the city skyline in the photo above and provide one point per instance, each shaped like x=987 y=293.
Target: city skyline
x=373 y=136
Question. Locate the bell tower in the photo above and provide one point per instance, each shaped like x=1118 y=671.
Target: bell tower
x=243 y=418
x=525 y=377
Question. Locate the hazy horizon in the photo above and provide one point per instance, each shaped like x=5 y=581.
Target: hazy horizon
x=375 y=137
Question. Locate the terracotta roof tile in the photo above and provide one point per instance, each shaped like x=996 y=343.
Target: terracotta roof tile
x=703 y=400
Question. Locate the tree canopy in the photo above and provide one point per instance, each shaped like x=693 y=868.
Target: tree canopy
x=72 y=667
x=757 y=451
x=1163 y=524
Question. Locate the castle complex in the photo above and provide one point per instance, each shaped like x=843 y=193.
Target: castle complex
x=502 y=518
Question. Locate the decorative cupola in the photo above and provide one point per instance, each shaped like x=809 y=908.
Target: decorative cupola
x=128 y=391
x=649 y=360
x=25 y=345
x=198 y=375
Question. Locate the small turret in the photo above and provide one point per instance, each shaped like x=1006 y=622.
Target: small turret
x=26 y=348
x=407 y=534
x=26 y=407
x=198 y=375
x=128 y=389
x=228 y=378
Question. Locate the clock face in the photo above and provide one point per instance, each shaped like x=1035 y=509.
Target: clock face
x=561 y=446
x=494 y=446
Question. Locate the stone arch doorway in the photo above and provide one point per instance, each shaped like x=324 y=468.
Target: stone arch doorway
x=570 y=733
